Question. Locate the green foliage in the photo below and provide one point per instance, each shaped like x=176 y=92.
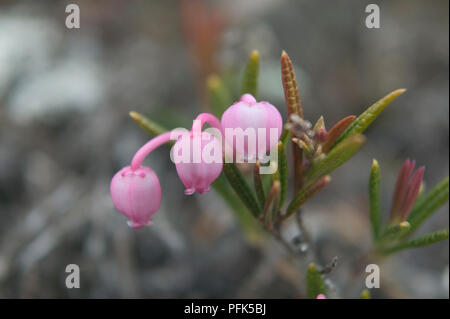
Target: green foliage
x=258 y=183
x=250 y=79
x=420 y=241
x=394 y=236
x=305 y=194
x=246 y=220
x=315 y=284
x=241 y=187
x=270 y=210
x=374 y=198
x=285 y=136
x=394 y=232
x=336 y=157
x=360 y=124
x=148 y=125
x=428 y=203
x=218 y=94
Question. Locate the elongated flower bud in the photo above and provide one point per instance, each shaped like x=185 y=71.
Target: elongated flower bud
x=249 y=121
x=406 y=190
x=136 y=194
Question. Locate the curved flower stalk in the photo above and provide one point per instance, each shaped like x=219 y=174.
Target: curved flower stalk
x=135 y=189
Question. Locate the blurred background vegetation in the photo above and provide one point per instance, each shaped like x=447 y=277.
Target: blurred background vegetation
x=64 y=130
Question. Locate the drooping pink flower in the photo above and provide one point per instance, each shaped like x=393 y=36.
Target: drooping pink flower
x=136 y=194
x=198 y=160
x=135 y=189
x=321 y=296
x=250 y=114
x=406 y=190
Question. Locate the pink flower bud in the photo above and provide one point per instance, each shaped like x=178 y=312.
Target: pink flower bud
x=321 y=135
x=249 y=114
x=200 y=163
x=406 y=190
x=321 y=296
x=136 y=194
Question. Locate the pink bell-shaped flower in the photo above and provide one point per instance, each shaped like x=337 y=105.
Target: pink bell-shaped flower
x=198 y=160
x=136 y=194
x=251 y=122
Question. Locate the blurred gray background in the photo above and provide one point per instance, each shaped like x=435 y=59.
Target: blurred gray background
x=64 y=130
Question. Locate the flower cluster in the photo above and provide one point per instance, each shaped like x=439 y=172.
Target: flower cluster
x=135 y=189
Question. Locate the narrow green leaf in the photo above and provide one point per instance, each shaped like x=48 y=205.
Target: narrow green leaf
x=360 y=124
x=420 y=241
x=283 y=170
x=147 y=124
x=428 y=203
x=305 y=194
x=257 y=181
x=250 y=80
x=336 y=157
x=315 y=284
x=271 y=205
x=394 y=232
x=374 y=195
x=285 y=136
x=251 y=228
x=242 y=189
x=219 y=96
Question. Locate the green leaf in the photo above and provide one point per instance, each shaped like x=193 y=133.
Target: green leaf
x=314 y=282
x=305 y=194
x=420 y=241
x=271 y=205
x=394 y=232
x=283 y=171
x=219 y=96
x=335 y=158
x=251 y=228
x=374 y=195
x=360 y=124
x=257 y=181
x=147 y=124
x=285 y=136
x=242 y=189
x=250 y=80
x=428 y=203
